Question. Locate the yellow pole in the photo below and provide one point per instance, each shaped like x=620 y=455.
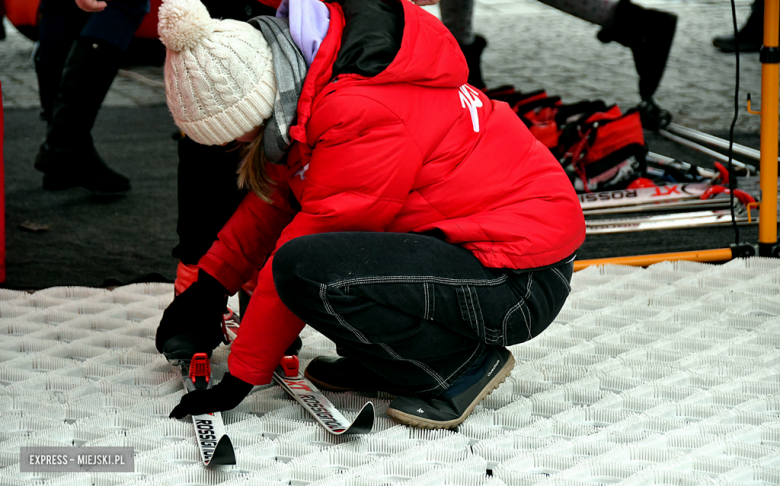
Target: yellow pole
x=719 y=255
x=770 y=101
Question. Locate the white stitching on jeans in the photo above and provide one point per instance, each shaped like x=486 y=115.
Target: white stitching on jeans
x=465 y=304
x=430 y=279
x=527 y=320
x=528 y=287
x=467 y=299
x=563 y=279
x=472 y=308
x=329 y=309
x=477 y=310
x=362 y=338
x=433 y=302
x=506 y=319
x=464 y=364
x=419 y=364
x=426 y=307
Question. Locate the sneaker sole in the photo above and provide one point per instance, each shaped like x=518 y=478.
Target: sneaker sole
x=416 y=421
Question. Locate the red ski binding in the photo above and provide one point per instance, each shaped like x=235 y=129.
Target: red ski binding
x=200 y=367
x=290 y=366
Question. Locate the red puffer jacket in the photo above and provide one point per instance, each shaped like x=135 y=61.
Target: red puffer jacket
x=409 y=148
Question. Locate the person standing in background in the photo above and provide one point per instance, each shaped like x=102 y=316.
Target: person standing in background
x=750 y=37
x=648 y=33
x=80 y=49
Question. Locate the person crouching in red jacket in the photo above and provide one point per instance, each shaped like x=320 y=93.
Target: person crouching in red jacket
x=392 y=207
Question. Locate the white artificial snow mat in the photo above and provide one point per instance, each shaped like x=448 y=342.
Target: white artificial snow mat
x=666 y=375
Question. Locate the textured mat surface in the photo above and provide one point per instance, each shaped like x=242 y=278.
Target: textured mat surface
x=668 y=375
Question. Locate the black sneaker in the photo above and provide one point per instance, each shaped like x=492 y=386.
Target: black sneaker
x=339 y=373
x=452 y=407
x=184 y=346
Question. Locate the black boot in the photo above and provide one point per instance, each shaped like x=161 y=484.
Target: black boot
x=451 y=408
x=473 y=54
x=648 y=33
x=337 y=373
x=750 y=37
x=49 y=72
x=68 y=157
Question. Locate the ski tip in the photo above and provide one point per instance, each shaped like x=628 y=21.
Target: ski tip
x=224 y=455
x=364 y=422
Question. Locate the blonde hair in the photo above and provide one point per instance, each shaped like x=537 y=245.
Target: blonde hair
x=252 y=173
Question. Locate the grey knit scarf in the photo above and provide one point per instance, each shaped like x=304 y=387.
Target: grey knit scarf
x=290 y=72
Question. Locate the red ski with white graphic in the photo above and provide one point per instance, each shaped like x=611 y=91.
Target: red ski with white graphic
x=215 y=446
x=643 y=196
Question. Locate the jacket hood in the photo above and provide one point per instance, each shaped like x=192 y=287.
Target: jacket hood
x=379 y=42
x=395 y=41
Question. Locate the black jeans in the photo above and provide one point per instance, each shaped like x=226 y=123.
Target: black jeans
x=416 y=310
x=62 y=22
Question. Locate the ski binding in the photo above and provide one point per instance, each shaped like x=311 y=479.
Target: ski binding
x=289 y=377
x=215 y=446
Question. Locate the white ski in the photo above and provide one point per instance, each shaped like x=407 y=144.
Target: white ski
x=289 y=377
x=667 y=221
x=215 y=446
x=667 y=206
x=642 y=196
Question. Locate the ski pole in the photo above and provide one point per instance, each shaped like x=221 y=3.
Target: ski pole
x=680 y=165
x=700 y=148
x=717 y=142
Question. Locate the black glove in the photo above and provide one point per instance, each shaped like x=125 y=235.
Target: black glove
x=196 y=313
x=225 y=395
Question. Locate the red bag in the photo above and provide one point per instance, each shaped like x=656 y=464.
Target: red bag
x=600 y=148
x=604 y=150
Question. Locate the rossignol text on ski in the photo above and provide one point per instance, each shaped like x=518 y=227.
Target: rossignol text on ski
x=289 y=377
x=643 y=196
x=214 y=444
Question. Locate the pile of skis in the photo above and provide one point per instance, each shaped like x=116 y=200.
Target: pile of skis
x=702 y=199
x=622 y=186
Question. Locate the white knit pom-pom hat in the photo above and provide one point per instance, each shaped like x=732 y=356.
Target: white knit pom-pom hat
x=219 y=77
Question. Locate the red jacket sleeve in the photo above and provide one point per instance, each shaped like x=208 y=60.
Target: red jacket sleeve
x=362 y=167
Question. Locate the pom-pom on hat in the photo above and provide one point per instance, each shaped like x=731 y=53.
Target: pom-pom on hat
x=219 y=78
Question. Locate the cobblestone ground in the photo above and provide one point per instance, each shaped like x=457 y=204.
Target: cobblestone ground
x=532 y=46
